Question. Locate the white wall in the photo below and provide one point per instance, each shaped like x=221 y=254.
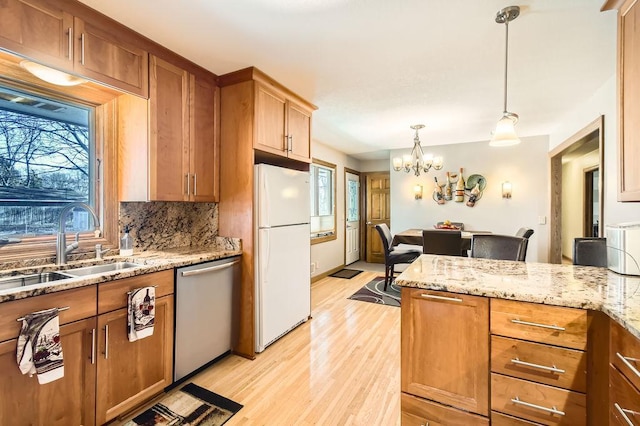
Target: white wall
x=603 y=102
x=573 y=199
x=330 y=254
x=525 y=165
x=374 y=166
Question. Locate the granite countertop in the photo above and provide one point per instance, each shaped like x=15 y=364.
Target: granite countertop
x=149 y=260
x=584 y=287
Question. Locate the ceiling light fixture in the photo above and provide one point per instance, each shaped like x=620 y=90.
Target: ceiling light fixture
x=51 y=75
x=417 y=160
x=505 y=133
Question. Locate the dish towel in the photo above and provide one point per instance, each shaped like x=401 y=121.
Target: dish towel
x=141 y=313
x=39 y=347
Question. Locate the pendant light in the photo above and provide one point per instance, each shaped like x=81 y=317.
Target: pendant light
x=417 y=161
x=505 y=133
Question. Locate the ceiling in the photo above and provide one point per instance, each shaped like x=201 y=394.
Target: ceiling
x=375 y=67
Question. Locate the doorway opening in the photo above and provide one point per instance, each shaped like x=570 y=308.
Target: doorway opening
x=577 y=179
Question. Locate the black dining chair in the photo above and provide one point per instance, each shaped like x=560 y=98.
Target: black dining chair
x=524 y=232
x=436 y=241
x=393 y=255
x=590 y=251
x=501 y=247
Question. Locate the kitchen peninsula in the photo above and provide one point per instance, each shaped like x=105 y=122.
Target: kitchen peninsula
x=501 y=342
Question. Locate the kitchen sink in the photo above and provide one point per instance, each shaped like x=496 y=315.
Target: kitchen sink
x=100 y=269
x=24 y=280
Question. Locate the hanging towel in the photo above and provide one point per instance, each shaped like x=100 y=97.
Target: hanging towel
x=141 y=313
x=39 y=348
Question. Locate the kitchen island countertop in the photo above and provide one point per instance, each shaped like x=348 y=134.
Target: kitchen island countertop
x=583 y=287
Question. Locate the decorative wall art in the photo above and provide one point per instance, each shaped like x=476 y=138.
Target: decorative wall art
x=456 y=189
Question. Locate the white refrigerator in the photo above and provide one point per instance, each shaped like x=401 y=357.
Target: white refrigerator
x=283 y=252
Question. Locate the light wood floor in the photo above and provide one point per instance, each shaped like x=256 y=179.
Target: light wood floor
x=340 y=368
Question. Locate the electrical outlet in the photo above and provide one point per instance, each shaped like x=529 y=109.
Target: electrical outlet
x=313 y=267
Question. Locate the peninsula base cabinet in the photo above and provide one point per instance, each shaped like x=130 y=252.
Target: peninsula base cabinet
x=444 y=357
x=105 y=375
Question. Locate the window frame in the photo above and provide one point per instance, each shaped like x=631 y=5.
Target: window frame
x=333 y=235
x=103 y=173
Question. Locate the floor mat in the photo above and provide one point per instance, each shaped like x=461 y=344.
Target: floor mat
x=345 y=273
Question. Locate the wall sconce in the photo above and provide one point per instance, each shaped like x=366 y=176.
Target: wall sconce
x=417 y=191
x=506 y=189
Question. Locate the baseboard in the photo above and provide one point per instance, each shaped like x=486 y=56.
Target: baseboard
x=326 y=274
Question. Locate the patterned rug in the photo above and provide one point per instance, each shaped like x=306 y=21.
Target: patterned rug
x=190 y=406
x=345 y=273
x=374 y=292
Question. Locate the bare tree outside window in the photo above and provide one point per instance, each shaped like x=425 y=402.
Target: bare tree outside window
x=45 y=162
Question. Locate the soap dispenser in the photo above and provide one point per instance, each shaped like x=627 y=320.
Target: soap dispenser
x=126 y=243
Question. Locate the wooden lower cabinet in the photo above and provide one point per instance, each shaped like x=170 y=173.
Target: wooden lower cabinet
x=445 y=348
x=132 y=372
x=420 y=412
x=63 y=402
x=499 y=419
x=536 y=401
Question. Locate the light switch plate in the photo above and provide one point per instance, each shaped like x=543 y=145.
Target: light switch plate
x=542 y=220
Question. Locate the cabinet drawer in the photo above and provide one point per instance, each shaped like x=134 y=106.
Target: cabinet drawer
x=499 y=419
x=113 y=295
x=625 y=353
x=565 y=368
x=540 y=323
x=504 y=390
x=623 y=398
x=81 y=303
x=419 y=412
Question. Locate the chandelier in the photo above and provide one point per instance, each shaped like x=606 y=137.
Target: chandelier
x=505 y=132
x=417 y=160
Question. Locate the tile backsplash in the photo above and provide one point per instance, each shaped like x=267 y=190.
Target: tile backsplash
x=162 y=225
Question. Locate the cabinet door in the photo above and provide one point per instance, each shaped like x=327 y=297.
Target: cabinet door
x=169 y=138
x=629 y=98
x=299 y=132
x=445 y=348
x=131 y=372
x=101 y=55
x=270 y=113
x=37 y=29
x=66 y=401
x=624 y=400
x=204 y=149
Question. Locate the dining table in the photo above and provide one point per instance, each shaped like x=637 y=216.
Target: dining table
x=413 y=236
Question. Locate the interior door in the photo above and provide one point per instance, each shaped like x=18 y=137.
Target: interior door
x=352 y=214
x=378 y=211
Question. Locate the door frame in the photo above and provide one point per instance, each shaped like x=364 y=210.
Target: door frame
x=555 y=157
x=353 y=172
x=588 y=201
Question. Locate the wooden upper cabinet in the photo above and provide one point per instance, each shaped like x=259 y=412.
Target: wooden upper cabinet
x=271 y=132
x=98 y=49
x=169 y=132
x=37 y=29
x=100 y=55
x=299 y=131
x=204 y=145
x=278 y=121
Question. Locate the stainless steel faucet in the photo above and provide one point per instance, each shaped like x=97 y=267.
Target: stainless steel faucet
x=62 y=249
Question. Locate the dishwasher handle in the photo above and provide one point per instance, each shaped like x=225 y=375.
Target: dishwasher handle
x=209 y=269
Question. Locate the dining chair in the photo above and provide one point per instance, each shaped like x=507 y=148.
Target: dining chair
x=524 y=232
x=436 y=241
x=501 y=247
x=590 y=251
x=393 y=255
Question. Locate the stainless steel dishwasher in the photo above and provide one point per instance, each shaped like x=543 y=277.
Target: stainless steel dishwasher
x=204 y=313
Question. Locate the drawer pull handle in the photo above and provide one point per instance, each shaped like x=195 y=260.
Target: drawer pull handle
x=538 y=366
x=449 y=299
x=535 y=324
x=625 y=360
x=623 y=412
x=551 y=410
